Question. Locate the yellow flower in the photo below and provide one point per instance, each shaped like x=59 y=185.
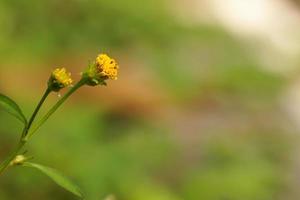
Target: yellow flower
x=102 y=69
x=62 y=77
x=59 y=79
x=107 y=66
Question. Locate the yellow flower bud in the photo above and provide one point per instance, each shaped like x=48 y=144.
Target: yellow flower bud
x=18 y=160
x=59 y=79
x=102 y=69
x=107 y=66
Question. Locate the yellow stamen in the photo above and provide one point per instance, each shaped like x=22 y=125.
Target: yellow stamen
x=62 y=76
x=107 y=66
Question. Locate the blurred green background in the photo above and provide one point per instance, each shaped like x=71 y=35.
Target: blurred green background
x=194 y=115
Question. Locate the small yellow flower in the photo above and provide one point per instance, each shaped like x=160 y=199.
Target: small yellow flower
x=107 y=66
x=102 y=69
x=62 y=76
x=59 y=79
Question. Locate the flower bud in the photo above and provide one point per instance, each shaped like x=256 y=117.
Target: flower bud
x=59 y=79
x=102 y=69
x=18 y=160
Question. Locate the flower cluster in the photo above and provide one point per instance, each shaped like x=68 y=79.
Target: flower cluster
x=102 y=69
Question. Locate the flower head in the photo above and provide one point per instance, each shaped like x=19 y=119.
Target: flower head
x=107 y=66
x=59 y=79
x=102 y=69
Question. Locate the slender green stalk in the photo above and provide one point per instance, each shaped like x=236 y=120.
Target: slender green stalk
x=29 y=130
x=44 y=97
x=5 y=164
x=55 y=107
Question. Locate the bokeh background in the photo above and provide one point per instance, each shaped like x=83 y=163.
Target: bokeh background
x=207 y=104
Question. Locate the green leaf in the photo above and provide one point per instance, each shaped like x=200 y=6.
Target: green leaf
x=12 y=107
x=57 y=177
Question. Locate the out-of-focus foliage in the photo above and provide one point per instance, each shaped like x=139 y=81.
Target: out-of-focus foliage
x=34 y=28
x=246 y=169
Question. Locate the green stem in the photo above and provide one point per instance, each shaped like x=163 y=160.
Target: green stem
x=44 y=97
x=28 y=131
x=5 y=164
x=55 y=107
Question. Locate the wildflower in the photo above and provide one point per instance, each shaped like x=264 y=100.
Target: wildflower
x=102 y=69
x=107 y=66
x=59 y=79
x=18 y=160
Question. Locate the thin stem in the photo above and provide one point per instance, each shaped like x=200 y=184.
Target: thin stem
x=5 y=164
x=28 y=131
x=44 y=97
x=55 y=107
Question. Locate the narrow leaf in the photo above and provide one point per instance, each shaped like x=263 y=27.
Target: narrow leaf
x=57 y=177
x=12 y=107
